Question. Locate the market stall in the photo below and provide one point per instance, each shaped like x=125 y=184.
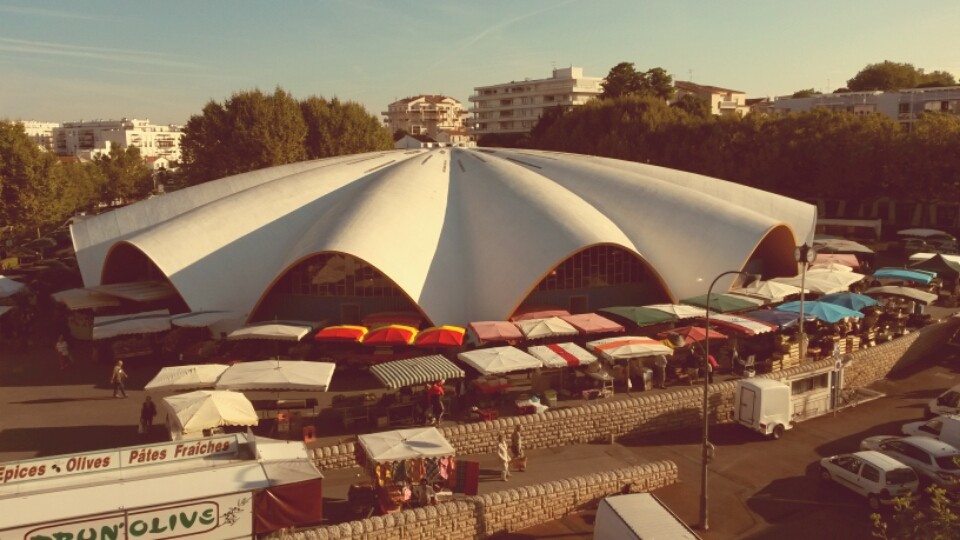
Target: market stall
x=409 y=377
x=501 y=369
x=188 y=377
x=621 y=352
x=196 y=414
x=557 y=359
x=402 y=461
x=545 y=328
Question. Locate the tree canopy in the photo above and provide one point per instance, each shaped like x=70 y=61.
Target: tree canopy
x=889 y=76
x=624 y=80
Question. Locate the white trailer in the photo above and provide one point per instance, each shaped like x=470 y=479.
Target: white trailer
x=638 y=516
x=764 y=405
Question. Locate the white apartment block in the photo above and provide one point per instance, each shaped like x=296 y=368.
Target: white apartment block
x=904 y=106
x=437 y=117
x=88 y=139
x=723 y=101
x=516 y=107
x=41 y=133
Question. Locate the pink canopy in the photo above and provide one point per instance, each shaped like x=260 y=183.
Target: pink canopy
x=846 y=259
x=591 y=323
x=538 y=312
x=496 y=331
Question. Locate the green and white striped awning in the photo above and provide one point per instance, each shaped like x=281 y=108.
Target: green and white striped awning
x=420 y=370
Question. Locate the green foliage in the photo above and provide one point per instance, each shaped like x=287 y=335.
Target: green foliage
x=125 y=175
x=889 y=75
x=624 y=80
x=910 y=521
x=335 y=129
x=693 y=105
x=809 y=92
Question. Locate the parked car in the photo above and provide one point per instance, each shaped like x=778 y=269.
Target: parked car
x=945 y=427
x=878 y=477
x=934 y=461
x=946 y=403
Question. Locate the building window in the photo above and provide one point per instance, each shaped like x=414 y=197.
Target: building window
x=810 y=384
x=904 y=108
x=598 y=266
x=332 y=274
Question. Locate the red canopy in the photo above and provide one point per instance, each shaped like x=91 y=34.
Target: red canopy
x=393 y=334
x=692 y=334
x=496 y=331
x=591 y=323
x=343 y=332
x=440 y=336
x=405 y=318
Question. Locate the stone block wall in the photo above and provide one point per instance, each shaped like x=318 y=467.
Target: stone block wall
x=504 y=511
x=677 y=408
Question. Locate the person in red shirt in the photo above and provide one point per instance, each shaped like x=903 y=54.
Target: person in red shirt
x=436 y=393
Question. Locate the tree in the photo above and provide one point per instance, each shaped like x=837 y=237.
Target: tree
x=623 y=80
x=695 y=106
x=659 y=83
x=809 y=92
x=889 y=75
x=547 y=119
x=911 y=522
x=936 y=79
x=125 y=175
x=251 y=130
x=336 y=128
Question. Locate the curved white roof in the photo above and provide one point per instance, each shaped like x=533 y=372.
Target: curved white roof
x=466 y=233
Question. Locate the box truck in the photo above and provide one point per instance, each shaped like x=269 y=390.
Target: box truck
x=638 y=516
x=763 y=405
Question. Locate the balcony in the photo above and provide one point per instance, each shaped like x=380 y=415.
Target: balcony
x=727 y=104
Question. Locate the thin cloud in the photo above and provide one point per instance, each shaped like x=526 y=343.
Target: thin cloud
x=91 y=53
x=41 y=12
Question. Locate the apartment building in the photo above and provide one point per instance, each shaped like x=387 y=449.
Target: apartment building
x=515 y=107
x=41 y=133
x=723 y=101
x=90 y=138
x=904 y=106
x=441 y=118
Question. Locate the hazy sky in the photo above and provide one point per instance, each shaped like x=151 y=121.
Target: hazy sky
x=62 y=61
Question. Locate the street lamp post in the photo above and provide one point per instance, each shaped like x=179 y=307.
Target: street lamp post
x=707 y=450
x=804 y=255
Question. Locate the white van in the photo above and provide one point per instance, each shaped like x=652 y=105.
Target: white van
x=763 y=405
x=944 y=427
x=946 y=403
x=638 y=516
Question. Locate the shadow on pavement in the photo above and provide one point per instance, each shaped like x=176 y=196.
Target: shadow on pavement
x=851 y=443
x=61 y=400
x=51 y=441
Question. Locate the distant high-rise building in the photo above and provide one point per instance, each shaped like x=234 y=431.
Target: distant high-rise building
x=41 y=133
x=516 y=107
x=441 y=118
x=88 y=139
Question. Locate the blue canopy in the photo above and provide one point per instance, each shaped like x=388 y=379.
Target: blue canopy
x=849 y=300
x=782 y=319
x=903 y=274
x=823 y=311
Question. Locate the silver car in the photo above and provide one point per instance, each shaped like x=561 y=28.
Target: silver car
x=878 y=477
x=934 y=461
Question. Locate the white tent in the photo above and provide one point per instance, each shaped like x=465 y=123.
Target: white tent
x=829 y=267
x=771 y=291
x=277 y=375
x=917 y=257
x=274 y=331
x=148 y=322
x=680 y=311
x=824 y=282
x=76 y=299
x=10 y=287
x=924 y=233
x=544 y=328
x=561 y=355
x=903 y=292
x=626 y=347
x=499 y=360
x=189 y=377
x=191 y=413
x=403 y=444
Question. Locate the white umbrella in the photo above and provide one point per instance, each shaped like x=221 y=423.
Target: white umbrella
x=544 y=328
x=924 y=233
x=189 y=377
x=626 y=347
x=207 y=409
x=840 y=245
x=561 y=355
x=829 y=267
x=680 y=311
x=404 y=444
x=278 y=375
x=10 y=287
x=771 y=291
x=273 y=331
x=497 y=360
x=824 y=282
x=904 y=292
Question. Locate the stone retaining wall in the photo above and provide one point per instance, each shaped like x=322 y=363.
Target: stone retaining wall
x=677 y=408
x=504 y=511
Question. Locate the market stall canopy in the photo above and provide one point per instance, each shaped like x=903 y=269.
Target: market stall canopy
x=770 y=291
x=692 y=334
x=540 y=312
x=777 y=318
x=278 y=375
x=925 y=233
x=343 y=332
x=639 y=315
x=591 y=323
x=148 y=322
x=849 y=300
x=413 y=443
x=496 y=331
x=903 y=292
x=10 y=287
x=77 y=299
x=384 y=318
x=940 y=264
x=824 y=282
x=189 y=377
x=723 y=303
x=679 y=311
x=846 y=259
x=497 y=360
x=440 y=336
x=207 y=409
x=829 y=267
x=413 y=371
x=917 y=257
x=743 y=324
x=138 y=291
x=545 y=328
x=390 y=335
x=840 y=246
x=823 y=311
x=903 y=274
x=203 y=319
x=561 y=355
x=626 y=347
x=275 y=331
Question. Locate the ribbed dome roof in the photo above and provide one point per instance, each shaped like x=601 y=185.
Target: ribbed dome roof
x=466 y=233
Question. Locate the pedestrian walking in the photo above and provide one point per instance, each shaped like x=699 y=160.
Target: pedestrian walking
x=436 y=393
x=147 y=412
x=63 y=351
x=503 y=452
x=117 y=379
x=516 y=448
x=660 y=363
